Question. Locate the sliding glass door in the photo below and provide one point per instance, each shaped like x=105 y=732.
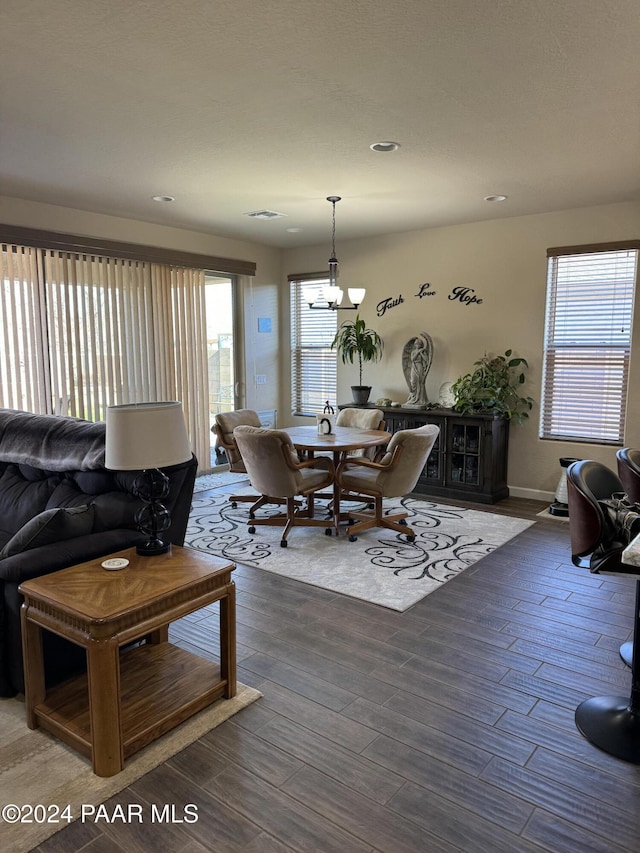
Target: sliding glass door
x=222 y=346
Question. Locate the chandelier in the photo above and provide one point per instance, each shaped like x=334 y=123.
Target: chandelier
x=332 y=295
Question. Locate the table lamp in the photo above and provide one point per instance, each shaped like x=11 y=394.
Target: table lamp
x=146 y=437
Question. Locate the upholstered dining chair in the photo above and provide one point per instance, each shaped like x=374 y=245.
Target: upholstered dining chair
x=395 y=475
x=223 y=427
x=611 y=723
x=361 y=419
x=274 y=468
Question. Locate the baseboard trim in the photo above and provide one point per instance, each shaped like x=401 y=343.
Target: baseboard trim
x=531 y=494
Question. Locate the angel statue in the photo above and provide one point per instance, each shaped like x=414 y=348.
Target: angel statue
x=416 y=362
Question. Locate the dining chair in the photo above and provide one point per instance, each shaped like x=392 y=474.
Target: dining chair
x=274 y=468
x=394 y=475
x=361 y=419
x=223 y=428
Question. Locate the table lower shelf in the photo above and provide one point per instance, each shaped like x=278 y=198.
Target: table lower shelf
x=160 y=686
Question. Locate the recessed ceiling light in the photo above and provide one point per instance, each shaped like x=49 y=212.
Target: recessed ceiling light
x=385 y=147
x=163 y=198
x=265 y=214
x=294 y=230
x=495 y=198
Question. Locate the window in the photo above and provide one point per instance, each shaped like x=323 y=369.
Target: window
x=80 y=331
x=313 y=362
x=587 y=344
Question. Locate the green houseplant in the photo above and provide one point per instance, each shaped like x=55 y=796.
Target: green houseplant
x=494 y=387
x=354 y=340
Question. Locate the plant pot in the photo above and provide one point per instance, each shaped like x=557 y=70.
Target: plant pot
x=360 y=394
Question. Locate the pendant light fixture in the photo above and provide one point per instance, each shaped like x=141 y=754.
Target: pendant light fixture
x=333 y=294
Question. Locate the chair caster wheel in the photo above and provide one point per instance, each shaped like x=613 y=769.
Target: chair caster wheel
x=283 y=543
x=411 y=539
x=234 y=505
x=353 y=537
x=403 y=522
x=251 y=529
x=328 y=531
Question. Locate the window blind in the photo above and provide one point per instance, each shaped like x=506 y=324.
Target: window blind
x=81 y=332
x=587 y=345
x=313 y=362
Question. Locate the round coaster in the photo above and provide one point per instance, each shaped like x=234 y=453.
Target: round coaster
x=114 y=564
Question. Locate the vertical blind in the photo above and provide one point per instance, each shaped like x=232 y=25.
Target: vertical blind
x=313 y=362
x=82 y=332
x=587 y=345
x=24 y=376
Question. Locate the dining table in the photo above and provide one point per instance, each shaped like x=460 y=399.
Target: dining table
x=339 y=442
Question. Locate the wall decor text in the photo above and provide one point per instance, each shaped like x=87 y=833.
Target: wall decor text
x=424 y=290
x=466 y=295
x=386 y=304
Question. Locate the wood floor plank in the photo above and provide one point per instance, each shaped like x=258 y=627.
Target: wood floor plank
x=600 y=819
x=424 y=738
x=359 y=773
x=282 y=815
x=452 y=696
x=461 y=726
x=299 y=681
x=465 y=791
x=562 y=836
x=381 y=827
x=341 y=729
x=461 y=828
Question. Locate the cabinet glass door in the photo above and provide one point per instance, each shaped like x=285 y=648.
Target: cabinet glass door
x=465 y=454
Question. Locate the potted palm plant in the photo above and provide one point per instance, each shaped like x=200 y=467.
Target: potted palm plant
x=354 y=340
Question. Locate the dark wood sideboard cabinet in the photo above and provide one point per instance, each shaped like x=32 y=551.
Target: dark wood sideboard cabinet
x=469 y=459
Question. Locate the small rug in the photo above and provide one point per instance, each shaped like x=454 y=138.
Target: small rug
x=380 y=566
x=218 y=479
x=36 y=768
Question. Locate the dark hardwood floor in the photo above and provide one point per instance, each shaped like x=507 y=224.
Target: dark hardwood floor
x=449 y=727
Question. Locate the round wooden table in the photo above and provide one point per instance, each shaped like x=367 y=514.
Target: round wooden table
x=339 y=442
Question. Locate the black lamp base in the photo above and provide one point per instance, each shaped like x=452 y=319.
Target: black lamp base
x=153 y=517
x=152 y=547
x=609 y=723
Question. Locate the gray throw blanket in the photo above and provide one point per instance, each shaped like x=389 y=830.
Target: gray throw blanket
x=51 y=442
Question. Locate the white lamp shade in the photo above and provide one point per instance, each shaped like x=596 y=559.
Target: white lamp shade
x=311 y=294
x=331 y=294
x=356 y=294
x=145 y=435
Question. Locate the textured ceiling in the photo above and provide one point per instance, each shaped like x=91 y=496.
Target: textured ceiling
x=234 y=106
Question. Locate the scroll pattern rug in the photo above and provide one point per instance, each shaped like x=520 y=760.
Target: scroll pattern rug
x=380 y=567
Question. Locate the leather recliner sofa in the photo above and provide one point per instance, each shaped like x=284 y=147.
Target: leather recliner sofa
x=60 y=506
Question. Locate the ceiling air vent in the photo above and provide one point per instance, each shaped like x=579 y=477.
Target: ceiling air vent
x=265 y=214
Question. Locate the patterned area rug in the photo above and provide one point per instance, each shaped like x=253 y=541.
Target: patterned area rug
x=380 y=567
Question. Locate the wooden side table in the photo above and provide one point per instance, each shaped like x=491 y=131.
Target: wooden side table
x=127 y=698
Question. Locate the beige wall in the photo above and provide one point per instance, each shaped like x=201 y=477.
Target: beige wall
x=504 y=261
x=259 y=295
